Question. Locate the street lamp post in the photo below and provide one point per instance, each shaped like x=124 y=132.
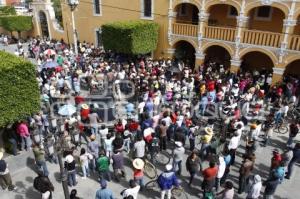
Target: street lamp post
x=73 y=4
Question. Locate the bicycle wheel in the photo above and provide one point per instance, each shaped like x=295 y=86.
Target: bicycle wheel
x=178 y=193
x=150 y=170
x=283 y=129
x=162 y=158
x=152 y=186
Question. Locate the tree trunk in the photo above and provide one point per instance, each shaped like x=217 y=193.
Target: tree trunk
x=19 y=35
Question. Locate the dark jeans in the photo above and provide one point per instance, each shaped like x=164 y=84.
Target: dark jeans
x=232 y=154
x=243 y=181
x=290 y=167
x=5 y=181
x=117 y=173
x=163 y=143
x=217 y=185
x=224 y=177
x=192 y=144
x=72 y=178
x=104 y=175
x=192 y=176
x=13 y=143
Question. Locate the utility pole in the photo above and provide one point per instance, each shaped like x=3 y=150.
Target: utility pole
x=73 y=4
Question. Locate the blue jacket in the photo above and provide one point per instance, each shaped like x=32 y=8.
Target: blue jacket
x=167 y=180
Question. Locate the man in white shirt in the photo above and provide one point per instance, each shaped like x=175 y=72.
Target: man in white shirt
x=139 y=147
x=233 y=145
x=132 y=191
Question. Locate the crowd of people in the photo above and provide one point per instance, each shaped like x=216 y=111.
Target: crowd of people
x=173 y=108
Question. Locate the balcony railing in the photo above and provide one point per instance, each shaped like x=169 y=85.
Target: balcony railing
x=262 y=38
x=294 y=43
x=185 y=29
x=219 y=33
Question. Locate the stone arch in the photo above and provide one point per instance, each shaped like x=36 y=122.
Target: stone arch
x=290 y=59
x=233 y=3
x=193 y=43
x=193 y=2
x=297 y=13
x=281 y=6
x=292 y=68
x=186 y=52
x=270 y=54
x=229 y=48
x=43 y=23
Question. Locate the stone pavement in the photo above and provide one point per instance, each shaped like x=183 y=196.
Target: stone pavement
x=22 y=170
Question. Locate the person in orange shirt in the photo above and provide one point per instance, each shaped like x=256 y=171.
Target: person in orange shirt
x=209 y=177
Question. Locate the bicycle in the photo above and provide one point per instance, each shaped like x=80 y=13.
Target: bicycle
x=150 y=170
x=281 y=126
x=162 y=158
x=176 y=192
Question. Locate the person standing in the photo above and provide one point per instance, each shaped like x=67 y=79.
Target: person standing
x=233 y=145
x=163 y=135
x=24 y=134
x=132 y=191
x=178 y=157
x=39 y=155
x=103 y=166
x=228 y=192
x=192 y=166
x=166 y=181
x=294 y=130
x=255 y=187
x=70 y=167
x=5 y=178
x=42 y=184
x=139 y=147
x=209 y=177
x=271 y=186
x=104 y=192
x=138 y=171
x=245 y=171
x=221 y=171
x=94 y=119
x=84 y=162
x=93 y=148
x=295 y=158
x=118 y=165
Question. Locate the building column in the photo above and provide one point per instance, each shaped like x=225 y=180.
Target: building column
x=288 y=28
x=235 y=65
x=277 y=75
x=170 y=20
x=170 y=53
x=203 y=18
x=199 y=60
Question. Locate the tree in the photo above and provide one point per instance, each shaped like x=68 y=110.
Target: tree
x=7 y=10
x=19 y=91
x=17 y=23
x=58 y=11
x=130 y=37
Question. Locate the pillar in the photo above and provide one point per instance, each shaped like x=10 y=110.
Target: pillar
x=169 y=53
x=277 y=75
x=170 y=20
x=203 y=18
x=199 y=59
x=235 y=65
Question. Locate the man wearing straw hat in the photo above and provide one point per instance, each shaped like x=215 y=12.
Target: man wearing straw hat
x=5 y=178
x=138 y=174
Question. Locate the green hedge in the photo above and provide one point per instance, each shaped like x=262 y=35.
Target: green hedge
x=130 y=37
x=7 y=10
x=19 y=92
x=16 y=23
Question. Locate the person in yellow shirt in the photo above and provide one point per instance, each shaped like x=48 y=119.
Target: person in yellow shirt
x=206 y=139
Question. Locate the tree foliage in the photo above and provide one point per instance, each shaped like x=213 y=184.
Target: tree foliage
x=130 y=37
x=58 y=11
x=7 y=10
x=19 y=92
x=16 y=23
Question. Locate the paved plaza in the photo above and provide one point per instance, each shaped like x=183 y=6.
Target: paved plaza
x=23 y=169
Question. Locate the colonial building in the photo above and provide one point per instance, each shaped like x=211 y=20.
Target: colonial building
x=240 y=33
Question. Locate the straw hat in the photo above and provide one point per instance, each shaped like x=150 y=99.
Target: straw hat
x=138 y=163
x=208 y=130
x=85 y=106
x=69 y=158
x=1 y=155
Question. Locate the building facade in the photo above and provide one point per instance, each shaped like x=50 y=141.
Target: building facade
x=261 y=34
